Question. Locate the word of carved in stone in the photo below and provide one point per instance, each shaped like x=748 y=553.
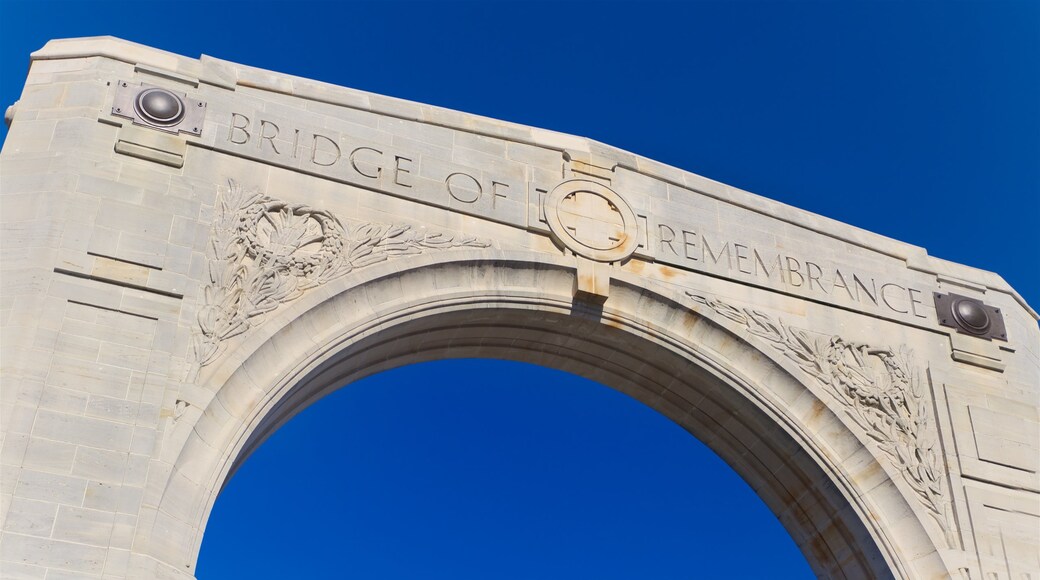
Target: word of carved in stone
x=877 y=387
x=265 y=252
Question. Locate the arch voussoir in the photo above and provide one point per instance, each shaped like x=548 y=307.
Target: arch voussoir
x=709 y=379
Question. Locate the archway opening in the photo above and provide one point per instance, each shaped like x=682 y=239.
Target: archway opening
x=489 y=468
x=750 y=408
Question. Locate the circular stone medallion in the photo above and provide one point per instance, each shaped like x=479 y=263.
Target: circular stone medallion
x=592 y=220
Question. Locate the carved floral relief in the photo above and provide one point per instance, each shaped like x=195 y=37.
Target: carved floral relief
x=265 y=252
x=878 y=388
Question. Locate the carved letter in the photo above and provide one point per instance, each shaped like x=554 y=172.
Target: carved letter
x=741 y=257
x=314 y=152
x=354 y=162
x=466 y=192
x=398 y=170
x=769 y=270
x=242 y=128
x=884 y=297
x=715 y=258
x=839 y=282
x=873 y=285
x=687 y=244
x=494 y=192
x=260 y=142
x=914 y=303
x=667 y=241
x=793 y=269
x=295 y=144
x=809 y=266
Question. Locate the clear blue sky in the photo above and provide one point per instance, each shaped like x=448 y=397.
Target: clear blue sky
x=919 y=121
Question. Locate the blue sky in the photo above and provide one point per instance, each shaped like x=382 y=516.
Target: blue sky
x=916 y=120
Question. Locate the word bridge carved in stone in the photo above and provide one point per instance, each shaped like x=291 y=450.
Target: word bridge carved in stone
x=265 y=252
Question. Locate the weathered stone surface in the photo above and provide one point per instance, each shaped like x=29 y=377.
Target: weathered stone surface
x=170 y=296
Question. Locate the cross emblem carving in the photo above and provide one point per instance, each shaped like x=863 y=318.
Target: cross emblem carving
x=592 y=220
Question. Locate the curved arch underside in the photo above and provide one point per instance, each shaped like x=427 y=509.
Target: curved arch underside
x=805 y=500
x=721 y=389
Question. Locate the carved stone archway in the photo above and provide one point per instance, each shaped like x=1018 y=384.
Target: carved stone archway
x=217 y=247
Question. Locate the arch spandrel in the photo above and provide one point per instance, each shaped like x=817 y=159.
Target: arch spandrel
x=880 y=401
x=744 y=366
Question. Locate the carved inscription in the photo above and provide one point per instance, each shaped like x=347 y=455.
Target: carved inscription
x=879 y=389
x=408 y=174
x=696 y=248
x=586 y=222
x=265 y=252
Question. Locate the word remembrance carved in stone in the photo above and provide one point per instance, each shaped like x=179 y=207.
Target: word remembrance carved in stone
x=195 y=250
x=725 y=254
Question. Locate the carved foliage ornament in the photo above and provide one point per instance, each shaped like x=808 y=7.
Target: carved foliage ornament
x=265 y=252
x=878 y=388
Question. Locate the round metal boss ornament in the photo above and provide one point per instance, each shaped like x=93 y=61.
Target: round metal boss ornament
x=592 y=220
x=971 y=316
x=159 y=106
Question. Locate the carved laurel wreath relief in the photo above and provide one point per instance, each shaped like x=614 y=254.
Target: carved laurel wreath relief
x=878 y=388
x=265 y=252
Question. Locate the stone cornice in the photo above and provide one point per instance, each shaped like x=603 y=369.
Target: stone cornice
x=228 y=75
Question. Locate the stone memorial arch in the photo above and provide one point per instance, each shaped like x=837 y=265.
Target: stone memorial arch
x=195 y=250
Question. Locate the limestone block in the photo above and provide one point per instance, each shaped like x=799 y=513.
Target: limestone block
x=49 y=456
x=85 y=526
x=83 y=430
x=52 y=553
x=33 y=518
x=50 y=487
